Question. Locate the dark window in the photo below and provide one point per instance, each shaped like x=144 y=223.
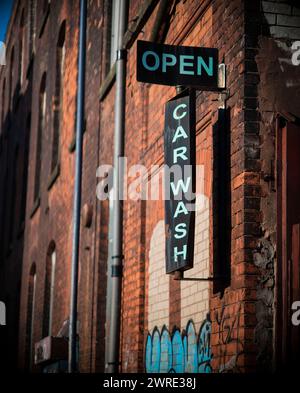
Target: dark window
x=49 y=290
x=25 y=169
x=13 y=195
x=40 y=129
x=3 y=104
x=45 y=5
x=32 y=26
x=30 y=317
x=57 y=104
x=11 y=77
x=115 y=26
x=4 y=219
x=112 y=32
x=20 y=72
x=21 y=50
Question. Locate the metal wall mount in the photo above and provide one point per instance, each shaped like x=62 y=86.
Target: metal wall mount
x=178 y=276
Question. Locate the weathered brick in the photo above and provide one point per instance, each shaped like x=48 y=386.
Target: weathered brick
x=285 y=32
x=149 y=297
x=276 y=8
x=286 y=20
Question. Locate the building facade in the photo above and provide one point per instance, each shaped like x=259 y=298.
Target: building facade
x=247 y=219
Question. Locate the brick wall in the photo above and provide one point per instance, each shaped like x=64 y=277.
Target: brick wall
x=254 y=40
x=50 y=221
x=14 y=140
x=228 y=309
x=269 y=55
x=283 y=18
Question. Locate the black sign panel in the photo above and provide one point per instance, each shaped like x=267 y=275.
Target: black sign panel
x=179 y=143
x=177 y=65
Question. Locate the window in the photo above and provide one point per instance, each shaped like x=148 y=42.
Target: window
x=25 y=170
x=11 y=76
x=32 y=27
x=45 y=5
x=30 y=317
x=41 y=127
x=3 y=104
x=113 y=26
x=13 y=195
x=49 y=290
x=4 y=220
x=57 y=104
x=21 y=50
x=44 y=12
x=2 y=54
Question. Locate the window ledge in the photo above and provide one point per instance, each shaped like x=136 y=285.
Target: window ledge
x=107 y=83
x=35 y=206
x=54 y=175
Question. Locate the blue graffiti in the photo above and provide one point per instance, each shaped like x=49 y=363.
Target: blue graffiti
x=179 y=353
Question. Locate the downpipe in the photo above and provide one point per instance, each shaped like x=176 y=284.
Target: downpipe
x=72 y=358
x=115 y=275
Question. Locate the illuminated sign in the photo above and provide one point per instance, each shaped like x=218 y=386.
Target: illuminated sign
x=177 y=65
x=179 y=144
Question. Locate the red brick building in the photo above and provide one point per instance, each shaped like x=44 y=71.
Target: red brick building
x=247 y=216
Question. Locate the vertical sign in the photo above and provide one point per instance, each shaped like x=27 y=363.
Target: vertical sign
x=179 y=144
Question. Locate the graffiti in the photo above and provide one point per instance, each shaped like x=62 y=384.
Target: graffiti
x=296 y=314
x=296 y=54
x=230 y=345
x=263 y=258
x=179 y=353
x=2 y=314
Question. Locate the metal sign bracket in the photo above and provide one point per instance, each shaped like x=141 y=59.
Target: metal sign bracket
x=178 y=276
